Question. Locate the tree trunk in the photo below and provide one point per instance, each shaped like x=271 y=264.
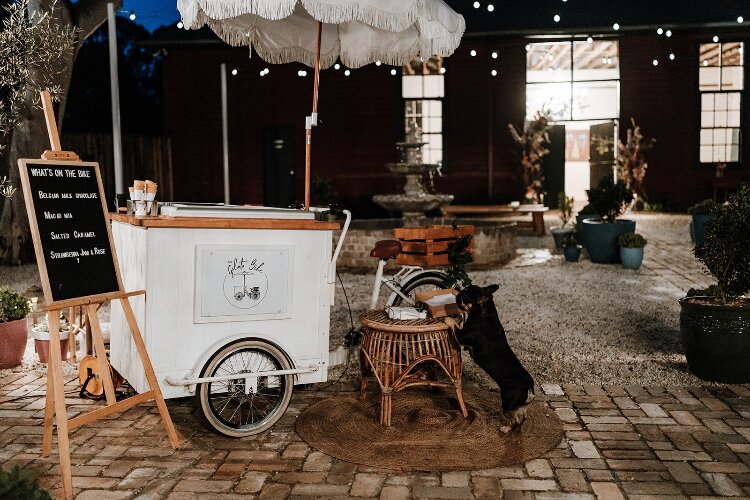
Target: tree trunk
x=29 y=139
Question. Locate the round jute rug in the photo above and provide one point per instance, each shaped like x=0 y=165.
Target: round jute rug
x=428 y=432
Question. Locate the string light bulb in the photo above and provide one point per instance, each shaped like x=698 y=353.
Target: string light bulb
x=671 y=56
x=347 y=73
x=180 y=25
x=659 y=31
x=473 y=53
x=378 y=63
x=740 y=19
x=490 y=7
x=616 y=26
x=337 y=66
x=494 y=55
x=132 y=15
x=589 y=40
x=393 y=71
x=556 y=18
x=442 y=71
x=655 y=62
x=668 y=33
x=493 y=72
x=715 y=39
x=476 y=5
x=234 y=71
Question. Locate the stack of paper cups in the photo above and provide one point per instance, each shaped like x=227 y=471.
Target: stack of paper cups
x=139 y=187
x=150 y=194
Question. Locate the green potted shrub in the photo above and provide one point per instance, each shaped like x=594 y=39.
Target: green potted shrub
x=565 y=206
x=21 y=484
x=571 y=248
x=609 y=200
x=14 y=308
x=701 y=212
x=715 y=323
x=631 y=250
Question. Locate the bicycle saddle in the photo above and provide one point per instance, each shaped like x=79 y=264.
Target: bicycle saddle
x=386 y=249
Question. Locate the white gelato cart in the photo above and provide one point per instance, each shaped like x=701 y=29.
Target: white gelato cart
x=237 y=307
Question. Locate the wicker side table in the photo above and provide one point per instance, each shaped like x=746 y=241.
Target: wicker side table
x=395 y=351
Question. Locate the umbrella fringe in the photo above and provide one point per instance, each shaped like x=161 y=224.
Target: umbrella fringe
x=267 y=9
x=326 y=12
x=443 y=41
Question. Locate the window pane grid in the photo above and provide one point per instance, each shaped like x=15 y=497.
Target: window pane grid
x=574 y=80
x=720 y=77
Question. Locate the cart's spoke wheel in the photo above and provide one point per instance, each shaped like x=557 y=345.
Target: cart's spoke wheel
x=241 y=407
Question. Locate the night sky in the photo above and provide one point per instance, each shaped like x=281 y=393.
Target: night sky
x=152 y=13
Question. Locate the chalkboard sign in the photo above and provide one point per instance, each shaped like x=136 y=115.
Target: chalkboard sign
x=70 y=227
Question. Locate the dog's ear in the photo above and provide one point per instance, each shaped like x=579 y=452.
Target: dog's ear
x=489 y=290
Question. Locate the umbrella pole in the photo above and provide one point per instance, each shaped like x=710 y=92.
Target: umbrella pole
x=313 y=119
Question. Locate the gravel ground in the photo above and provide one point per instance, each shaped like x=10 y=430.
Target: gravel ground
x=568 y=323
x=572 y=323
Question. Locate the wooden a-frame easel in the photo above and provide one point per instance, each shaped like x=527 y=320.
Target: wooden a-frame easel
x=55 y=407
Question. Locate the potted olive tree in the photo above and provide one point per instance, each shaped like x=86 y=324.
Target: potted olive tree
x=715 y=323
x=565 y=206
x=14 y=308
x=608 y=200
x=631 y=250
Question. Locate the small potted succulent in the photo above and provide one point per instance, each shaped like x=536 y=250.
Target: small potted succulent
x=715 y=322
x=631 y=250
x=701 y=213
x=609 y=200
x=14 y=308
x=40 y=333
x=565 y=205
x=571 y=248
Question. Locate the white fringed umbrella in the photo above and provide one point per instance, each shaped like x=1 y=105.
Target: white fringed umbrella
x=318 y=32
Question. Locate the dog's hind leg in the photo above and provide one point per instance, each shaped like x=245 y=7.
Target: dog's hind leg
x=518 y=416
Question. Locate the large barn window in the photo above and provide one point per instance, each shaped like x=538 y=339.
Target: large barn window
x=720 y=81
x=423 y=89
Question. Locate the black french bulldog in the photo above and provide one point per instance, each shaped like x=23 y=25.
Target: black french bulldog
x=484 y=335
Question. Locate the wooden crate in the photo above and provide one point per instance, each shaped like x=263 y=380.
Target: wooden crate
x=427 y=246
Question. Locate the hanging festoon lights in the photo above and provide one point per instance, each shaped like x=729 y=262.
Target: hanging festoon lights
x=740 y=19
x=659 y=31
x=616 y=26
x=556 y=18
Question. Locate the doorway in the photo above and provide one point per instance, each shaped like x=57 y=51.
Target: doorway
x=278 y=167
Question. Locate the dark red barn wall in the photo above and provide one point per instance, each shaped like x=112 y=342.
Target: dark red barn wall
x=478 y=108
x=360 y=120
x=362 y=117
x=664 y=101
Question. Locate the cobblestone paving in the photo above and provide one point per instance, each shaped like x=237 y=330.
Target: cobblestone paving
x=620 y=442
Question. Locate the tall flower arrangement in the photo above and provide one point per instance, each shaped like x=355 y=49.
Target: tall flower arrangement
x=532 y=143
x=630 y=160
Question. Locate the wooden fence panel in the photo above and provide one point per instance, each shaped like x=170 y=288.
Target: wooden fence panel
x=143 y=157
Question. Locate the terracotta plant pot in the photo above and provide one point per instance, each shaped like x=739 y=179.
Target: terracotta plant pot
x=41 y=344
x=13 y=335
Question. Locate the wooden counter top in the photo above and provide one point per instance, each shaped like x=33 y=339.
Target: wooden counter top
x=224 y=223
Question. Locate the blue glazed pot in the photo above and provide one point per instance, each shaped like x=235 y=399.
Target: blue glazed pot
x=631 y=258
x=558 y=233
x=579 y=224
x=600 y=239
x=572 y=253
x=699 y=227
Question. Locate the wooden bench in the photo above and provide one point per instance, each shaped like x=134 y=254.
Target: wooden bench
x=536 y=211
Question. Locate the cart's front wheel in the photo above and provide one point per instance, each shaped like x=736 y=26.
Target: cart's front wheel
x=237 y=410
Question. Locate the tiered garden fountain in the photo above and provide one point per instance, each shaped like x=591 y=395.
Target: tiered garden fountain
x=415 y=200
